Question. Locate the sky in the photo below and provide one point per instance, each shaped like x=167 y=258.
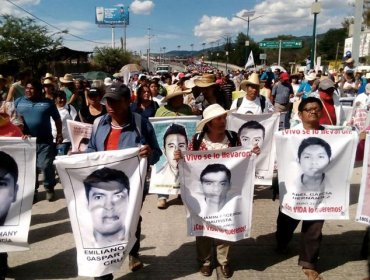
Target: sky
x=178 y=24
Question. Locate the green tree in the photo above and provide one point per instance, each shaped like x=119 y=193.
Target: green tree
x=328 y=44
x=21 y=39
x=110 y=60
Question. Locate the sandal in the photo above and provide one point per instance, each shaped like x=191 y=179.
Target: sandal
x=312 y=274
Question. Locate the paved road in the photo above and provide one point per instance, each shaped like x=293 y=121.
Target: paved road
x=169 y=254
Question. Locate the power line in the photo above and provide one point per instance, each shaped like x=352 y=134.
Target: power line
x=53 y=26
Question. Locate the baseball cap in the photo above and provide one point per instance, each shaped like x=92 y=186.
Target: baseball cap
x=326 y=84
x=117 y=91
x=284 y=76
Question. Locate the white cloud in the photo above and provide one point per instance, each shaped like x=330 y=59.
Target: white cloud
x=142 y=7
x=273 y=17
x=8 y=8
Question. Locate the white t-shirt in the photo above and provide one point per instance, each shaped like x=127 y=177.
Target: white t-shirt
x=65 y=115
x=247 y=106
x=363 y=99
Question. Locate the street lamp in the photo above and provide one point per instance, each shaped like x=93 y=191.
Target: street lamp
x=217 y=54
x=192 y=49
x=164 y=53
x=315 y=10
x=247 y=15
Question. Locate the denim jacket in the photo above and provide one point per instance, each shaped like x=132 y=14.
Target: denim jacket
x=130 y=136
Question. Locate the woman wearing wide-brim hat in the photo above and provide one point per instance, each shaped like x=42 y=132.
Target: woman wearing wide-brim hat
x=212 y=135
x=48 y=86
x=68 y=86
x=211 y=91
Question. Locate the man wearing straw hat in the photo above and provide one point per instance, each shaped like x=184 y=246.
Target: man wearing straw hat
x=252 y=102
x=211 y=91
x=175 y=103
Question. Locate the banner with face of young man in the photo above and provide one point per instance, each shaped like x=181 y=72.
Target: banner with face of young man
x=258 y=130
x=363 y=207
x=17 y=180
x=104 y=193
x=217 y=190
x=172 y=134
x=79 y=134
x=315 y=169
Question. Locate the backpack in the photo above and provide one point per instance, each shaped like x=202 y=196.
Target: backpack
x=231 y=135
x=262 y=101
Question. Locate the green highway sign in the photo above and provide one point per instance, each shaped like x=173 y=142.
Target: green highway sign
x=269 y=44
x=291 y=44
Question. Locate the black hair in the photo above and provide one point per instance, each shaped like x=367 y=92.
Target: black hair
x=175 y=129
x=140 y=92
x=252 y=125
x=106 y=175
x=214 y=168
x=307 y=100
x=36 y=84
x=8 y=164
x=314 y=141
x=60 y=93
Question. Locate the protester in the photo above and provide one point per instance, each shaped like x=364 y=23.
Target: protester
x=48 y=83
x=332 y=113
x=66 y=112
x=3 y=88
x=68 y=86
x=305 y=87
x=122 y=129
x=94 y=108
x=175 y=103
x=211 y=91
x=310 y=110
x=18 y=88
x=252 y=102
x=36 y=112
x=227 y=87
x=144 y=105
x=282 y=92
x=154 y=90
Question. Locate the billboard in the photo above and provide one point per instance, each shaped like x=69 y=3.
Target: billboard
x=112 y=16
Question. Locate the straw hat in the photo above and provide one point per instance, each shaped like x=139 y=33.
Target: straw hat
x=68 y=78
x=206 y=80
x=350 y=60
x=2 y=78
x=108 y=81
x=253 y=79
x=310 y=77
x=48 y=82
x=211 y=112
x=173 y=91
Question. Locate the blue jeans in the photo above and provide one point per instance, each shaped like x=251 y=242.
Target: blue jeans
x=62 y=149
x=45 y=155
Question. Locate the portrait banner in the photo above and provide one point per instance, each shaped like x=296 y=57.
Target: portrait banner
x=363 y=206
x=172 y=134
x=314 y=171
x=217 y=190
x=104 y=192
x=80 y=134
x=258 y=130
x=18 y=177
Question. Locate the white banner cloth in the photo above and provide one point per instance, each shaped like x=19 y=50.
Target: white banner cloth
x=217 y=190
x=16 y=196
x=103 y=212
x=363 y=206
x=261 y=134
x=314 y=170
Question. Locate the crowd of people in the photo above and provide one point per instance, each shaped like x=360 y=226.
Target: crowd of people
x=40 y=108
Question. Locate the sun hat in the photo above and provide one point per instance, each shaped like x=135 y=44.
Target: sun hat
x=190 y=83
x=2 y=78
x=310 y=77
x=253 y=79
x=68 y=78
x=116 y=91
x=173 y=91
x=350 y=60
x=326 y=84
x=49 y=76
x=48 y=81
x=206 y=80
x=108 y=81
x=211 y=112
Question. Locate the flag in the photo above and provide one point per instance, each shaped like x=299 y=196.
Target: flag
x=250 y=61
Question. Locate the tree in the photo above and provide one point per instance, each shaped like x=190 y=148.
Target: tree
x=327 y=45
x=21 y=39
x=110 y=60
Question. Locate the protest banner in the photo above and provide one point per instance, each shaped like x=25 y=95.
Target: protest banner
x=79 y=134
x=363 y=206
x=217 y=190
x=18 y=177
x=172 y=134
x=257 y=130
x=315 y=168
x=104 y=193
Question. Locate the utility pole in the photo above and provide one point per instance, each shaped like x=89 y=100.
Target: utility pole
x=315 y=10
x=148 y=52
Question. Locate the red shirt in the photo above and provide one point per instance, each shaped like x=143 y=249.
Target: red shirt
x=113 y=139
x=9 y=129
x=328 y=103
